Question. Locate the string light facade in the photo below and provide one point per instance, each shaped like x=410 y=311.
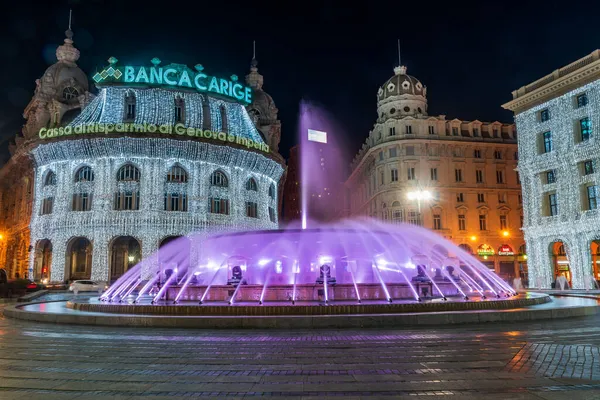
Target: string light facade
x=154 y=156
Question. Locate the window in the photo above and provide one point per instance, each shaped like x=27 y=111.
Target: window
x=251 y=185
x=476 y=132
x=411 y=173
x=218 y=206
x=47 y=205
x=585 y=128
x=431 y=130
x=206 y=122
x=479 y=176
x=128 y=172
x=394 y=152
x=437 y=221
x=218 y=178
x=553 y=203
x=130 y=103
x=588 y=167
x=495 y=132
x=498 y=155
x=272 y=214
x=177 y=174
x=413 y=218
x=547 y=142
x=482 y=222
x=457 y=152
x=433 y=172
x=520 y=199
x=251 y=209
x=499 y=176
x=591 y=196
x=550 y=177
x=544 y=115
x=394 y=175
x=392 y=131
x=224 y=122
x=582 y=100
x=518 y=177
x=454 y=131
x=408 y=129
x=460 y=198
x=458 y=175
x=84 y=174
x=410 y=150
x=70 y=93
x=503 y=223
x=127 y=200
x=381 y=156
x=462 y=223
x=516 y=155
x=50 y=179
x=521 y=220
x=81 y=202
x=502 y=198
x=480 y=198
x=381 y=178
x=176 y=202
x=272 y=191
x=179 y=107
x=476 y=153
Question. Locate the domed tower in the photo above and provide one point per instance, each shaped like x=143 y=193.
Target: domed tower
x=262 y=109
x=401 y=96
x=60 y=93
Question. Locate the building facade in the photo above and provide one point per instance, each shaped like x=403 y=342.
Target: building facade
x=557 y=117
x=161 y=151
x=455 y=177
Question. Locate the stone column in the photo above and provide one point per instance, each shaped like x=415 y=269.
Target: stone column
x=100 y=262
x=59 y=260
x=578 y=257
x=149 y=264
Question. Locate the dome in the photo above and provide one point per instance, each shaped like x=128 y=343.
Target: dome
x=263 y=107
x=63 y=81
x=401 y=84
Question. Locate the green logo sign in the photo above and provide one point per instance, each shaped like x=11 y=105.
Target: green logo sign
x=174 y=76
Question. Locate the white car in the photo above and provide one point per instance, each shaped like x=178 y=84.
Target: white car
x=86 y=286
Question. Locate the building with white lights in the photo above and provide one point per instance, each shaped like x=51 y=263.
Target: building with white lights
x=557 y=117
x=455 y=177
x=159 y=152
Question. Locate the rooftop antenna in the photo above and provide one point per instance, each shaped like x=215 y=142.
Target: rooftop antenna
x=70 y=15
x=399 y=59
x=254 y=49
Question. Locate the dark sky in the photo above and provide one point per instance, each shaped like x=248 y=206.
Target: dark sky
x=469 y=55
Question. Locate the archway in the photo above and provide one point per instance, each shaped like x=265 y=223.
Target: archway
x=79 y=259
x=466 y=248
x=43 y=261
x=125 y=252
x=560 y=261
x=174 y=252
x=595 y=251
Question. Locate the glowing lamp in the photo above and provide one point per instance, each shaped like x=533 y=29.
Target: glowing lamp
x=473 y=238
x=505 y=233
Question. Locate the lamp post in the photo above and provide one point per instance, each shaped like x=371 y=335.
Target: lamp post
x=419 y=195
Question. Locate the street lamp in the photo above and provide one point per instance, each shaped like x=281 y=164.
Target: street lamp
x=419 y=195
x=505 y=233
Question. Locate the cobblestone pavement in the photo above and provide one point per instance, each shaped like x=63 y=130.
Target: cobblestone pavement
x=543 y=360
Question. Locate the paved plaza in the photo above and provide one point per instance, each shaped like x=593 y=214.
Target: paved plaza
x=543 y=360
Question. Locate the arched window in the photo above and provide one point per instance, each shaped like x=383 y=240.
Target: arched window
x=50 y=179
x=128 y=172
x=218 y=178
x=224 y=122
x=70 y=93
x=251 y=185
x=522 y=249
x=179 y=110
x=84 y=174
x=206 y=123
x=177 y=174
x=272 y=191
x=130 y=105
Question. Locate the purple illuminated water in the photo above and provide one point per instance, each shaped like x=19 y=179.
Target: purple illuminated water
x=352 y=260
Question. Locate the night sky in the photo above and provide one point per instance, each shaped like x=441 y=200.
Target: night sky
x=469 y=55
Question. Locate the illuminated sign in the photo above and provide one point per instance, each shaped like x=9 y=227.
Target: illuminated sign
x=485 y=250
x=174 y=76
x=178 y=129
x=505 y=250
x=317 y=136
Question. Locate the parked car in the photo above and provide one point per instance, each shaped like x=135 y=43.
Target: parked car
x=86 y=286
x=33 y=287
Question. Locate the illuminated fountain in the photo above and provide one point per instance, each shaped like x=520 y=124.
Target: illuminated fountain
x=354 y=261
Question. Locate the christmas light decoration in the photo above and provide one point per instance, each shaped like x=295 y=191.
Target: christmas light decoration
x=153 y=156
x=573 y=225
